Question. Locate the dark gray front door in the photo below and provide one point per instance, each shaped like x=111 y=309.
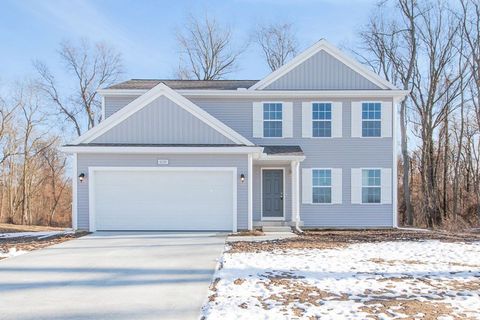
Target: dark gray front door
x=272 y=193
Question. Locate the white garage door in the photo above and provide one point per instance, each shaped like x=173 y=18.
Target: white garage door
x=163 y=199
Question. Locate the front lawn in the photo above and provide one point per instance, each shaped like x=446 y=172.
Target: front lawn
x=350 y=275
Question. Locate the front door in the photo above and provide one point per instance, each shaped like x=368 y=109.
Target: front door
x=272 y=194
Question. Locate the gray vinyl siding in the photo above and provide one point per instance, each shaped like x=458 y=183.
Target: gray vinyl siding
x=150 y=160
x=115 y=103
x=163 y=122
x=345 y=153
x=322 y=72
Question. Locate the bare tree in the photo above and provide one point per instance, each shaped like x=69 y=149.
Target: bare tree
x=423 y=50
x=207 y=52
x=278 y=43
x=393 y=50
x=92 y=67
x=6 y=129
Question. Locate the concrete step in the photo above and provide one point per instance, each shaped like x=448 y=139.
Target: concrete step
x=275 y=223
x=276 y=229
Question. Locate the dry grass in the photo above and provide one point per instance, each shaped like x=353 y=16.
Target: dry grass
x=334 y=239
x=412 y=309
x=32 y=243
x=8 y=227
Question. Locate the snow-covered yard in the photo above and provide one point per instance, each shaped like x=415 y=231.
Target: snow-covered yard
x=17 y=243
x=383 y=280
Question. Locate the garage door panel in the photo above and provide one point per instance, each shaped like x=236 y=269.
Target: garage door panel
x=163 y=200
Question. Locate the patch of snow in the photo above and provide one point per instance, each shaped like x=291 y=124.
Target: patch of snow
x=351 y=277
x=12 y=252
x=35 y=234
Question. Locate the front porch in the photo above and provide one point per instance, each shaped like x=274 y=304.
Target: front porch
x=275 y=187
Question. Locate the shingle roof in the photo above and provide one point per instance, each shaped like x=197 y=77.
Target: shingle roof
x=147 y=84
x=283 y=150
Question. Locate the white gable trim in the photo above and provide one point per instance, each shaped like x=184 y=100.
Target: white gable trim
x=142 y=101
x=336 y=53
x=269 y=94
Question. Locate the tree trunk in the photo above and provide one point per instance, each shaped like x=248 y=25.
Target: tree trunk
x=406 y=164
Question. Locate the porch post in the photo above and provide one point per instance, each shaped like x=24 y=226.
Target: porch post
x=250 y=192
x=295 y=166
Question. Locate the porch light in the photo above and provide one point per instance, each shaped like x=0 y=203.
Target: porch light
x=242 y=178
x=81 y=177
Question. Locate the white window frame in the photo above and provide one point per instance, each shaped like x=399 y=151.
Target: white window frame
x=379 y=120
x=363 y=186
x=331 y=187
x=330 y=120
x=276 y=120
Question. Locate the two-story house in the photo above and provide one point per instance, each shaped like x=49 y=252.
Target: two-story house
x=312 y=144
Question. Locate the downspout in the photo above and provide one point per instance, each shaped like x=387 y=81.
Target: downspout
x=296 y=186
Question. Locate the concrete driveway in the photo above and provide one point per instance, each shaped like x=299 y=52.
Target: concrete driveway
x=112 y=276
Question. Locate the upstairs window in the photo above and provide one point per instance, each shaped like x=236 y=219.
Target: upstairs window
x=371 y=119
x=371 y=186
x=272 y=120
x=321 y=119
x=322 y=186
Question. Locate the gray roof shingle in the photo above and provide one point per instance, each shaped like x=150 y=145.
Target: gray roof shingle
x=283 y=150
x=147 y=84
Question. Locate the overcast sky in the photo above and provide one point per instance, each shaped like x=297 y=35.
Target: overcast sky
x=144 y=31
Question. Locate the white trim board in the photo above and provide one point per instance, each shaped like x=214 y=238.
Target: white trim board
x=332 y=50
x=262 y=218
x=142 y=101
x=91 y=188
x=269 y=94
x=174 y=150
x=74 y=193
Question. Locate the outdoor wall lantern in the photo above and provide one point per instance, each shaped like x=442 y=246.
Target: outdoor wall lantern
x=242 y=178
x=81 y=177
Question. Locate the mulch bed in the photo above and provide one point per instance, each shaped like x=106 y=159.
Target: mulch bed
x=331 y=239
x=32 y=243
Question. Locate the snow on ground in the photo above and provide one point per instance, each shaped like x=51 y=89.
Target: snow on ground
x=35 y=234
x=382 y=280
x=12 y=252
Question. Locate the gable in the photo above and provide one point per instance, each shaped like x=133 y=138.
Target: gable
x=145 y=126
x=323 y=67
x=162 y=121
x=322 y=71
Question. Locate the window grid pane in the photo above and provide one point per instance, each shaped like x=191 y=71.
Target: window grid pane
x=322 y=195
x=322 y=120
x=371 y=194
x=371 y=186
x=371 y=119
x=322 y=186
x=272 y=120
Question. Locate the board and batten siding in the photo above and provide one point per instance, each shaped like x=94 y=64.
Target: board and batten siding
x=114 y=103
x=322 y=72
x=84 y=161
x=163 y=122
x=344 y=153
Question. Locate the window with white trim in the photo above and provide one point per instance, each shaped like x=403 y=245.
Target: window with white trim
x=322 y=186
x=371 y=119
x=272 y=120
x=321 y=119
x=371 y=185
